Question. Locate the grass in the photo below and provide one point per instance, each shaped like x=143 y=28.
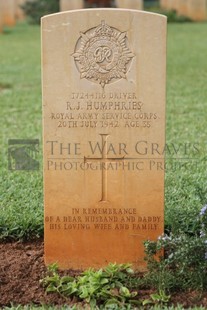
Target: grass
x=186 y=189
x=21 y=200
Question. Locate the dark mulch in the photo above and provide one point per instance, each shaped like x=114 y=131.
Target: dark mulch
x=22 y=267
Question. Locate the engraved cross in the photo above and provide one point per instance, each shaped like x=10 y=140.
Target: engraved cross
x=103 y=159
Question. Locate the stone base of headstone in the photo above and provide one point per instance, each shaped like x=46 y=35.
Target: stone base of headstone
x=67 y=5
x=130 y=4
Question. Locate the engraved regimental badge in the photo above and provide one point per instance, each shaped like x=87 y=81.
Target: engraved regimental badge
x=102 y=54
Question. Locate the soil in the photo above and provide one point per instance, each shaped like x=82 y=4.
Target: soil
x=22 y=267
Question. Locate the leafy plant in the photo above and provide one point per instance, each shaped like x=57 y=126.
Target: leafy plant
x=157 y=298
x=106 y=286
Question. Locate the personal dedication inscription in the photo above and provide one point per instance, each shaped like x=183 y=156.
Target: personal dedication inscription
x=104 y=135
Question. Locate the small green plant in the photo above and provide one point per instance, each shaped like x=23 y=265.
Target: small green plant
x=157 y=298
x=106 y=287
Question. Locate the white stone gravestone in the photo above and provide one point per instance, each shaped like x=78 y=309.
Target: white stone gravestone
x=66 y=5
x=130 y=4
x=104 y=135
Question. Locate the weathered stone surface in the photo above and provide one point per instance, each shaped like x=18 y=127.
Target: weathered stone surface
x=130 y=4
x=104 y=135
x=66 y=5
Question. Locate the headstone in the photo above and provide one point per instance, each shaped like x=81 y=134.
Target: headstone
x=183 y=8
x=130 y=4
x=8 y=9
x=197 y=10
x=1 y=17
x=104 y=135
x=169 y=5
x=66 y=5
x=19 y=11
x=163 y=4
x=175 y=5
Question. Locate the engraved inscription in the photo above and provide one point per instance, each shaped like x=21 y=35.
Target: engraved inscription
x=104 y=111
x=102 y=54
x=104 y=219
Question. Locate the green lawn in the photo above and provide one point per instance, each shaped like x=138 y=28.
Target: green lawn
x=21 y=199
x=20 y=98
x=186 y=189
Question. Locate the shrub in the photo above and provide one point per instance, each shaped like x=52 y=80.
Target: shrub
x=183 y=266
x=35 y=9
x=203 y=220
x=172 y=17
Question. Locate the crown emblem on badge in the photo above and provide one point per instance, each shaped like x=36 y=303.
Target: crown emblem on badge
x=102 y=55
